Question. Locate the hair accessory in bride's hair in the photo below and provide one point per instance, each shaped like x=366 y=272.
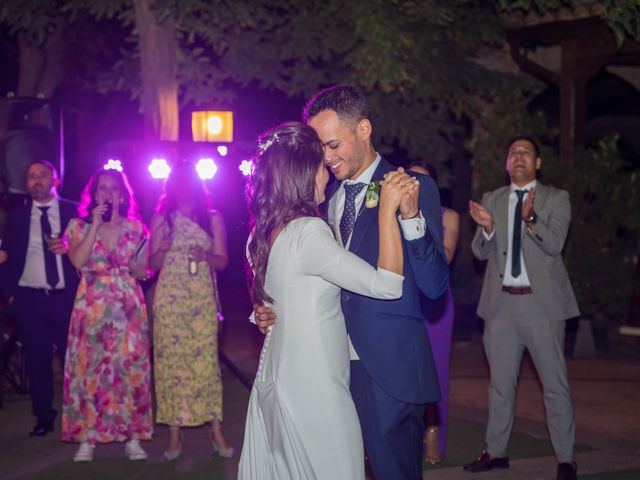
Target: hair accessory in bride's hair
x=264 y=145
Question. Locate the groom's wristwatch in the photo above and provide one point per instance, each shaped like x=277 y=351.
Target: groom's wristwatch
x=531 y=219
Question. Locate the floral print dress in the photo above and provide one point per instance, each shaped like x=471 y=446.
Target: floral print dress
x=185 y=334
x=107 y=384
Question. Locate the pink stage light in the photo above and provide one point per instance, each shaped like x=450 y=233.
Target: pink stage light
x=246 y=167
x=159 y=168
x=113 y=164
x=206 y=168
x=223 y=150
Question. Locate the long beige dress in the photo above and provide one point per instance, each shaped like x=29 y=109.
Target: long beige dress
x=185 y=334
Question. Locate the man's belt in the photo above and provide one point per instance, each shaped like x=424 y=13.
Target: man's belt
x=46 y=291
x=517 y=290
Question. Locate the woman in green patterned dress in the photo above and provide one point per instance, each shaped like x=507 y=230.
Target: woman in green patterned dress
x=188 y=241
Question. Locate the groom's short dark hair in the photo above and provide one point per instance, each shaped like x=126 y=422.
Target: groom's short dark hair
x=346 y=100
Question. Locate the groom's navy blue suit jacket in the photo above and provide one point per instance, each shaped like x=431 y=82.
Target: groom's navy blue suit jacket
x=389 y=335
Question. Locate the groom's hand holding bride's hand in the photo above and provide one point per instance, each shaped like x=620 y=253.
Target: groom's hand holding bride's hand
x=400 y=191
x=264 y=317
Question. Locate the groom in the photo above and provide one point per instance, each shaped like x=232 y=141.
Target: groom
x=392 y=369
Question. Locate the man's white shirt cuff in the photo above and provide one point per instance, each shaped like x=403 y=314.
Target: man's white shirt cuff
x=413 y=228
x=488 y=236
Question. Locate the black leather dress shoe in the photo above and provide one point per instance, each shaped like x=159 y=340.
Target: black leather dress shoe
x=484 y=462
x=567 y=471
x=41 y=429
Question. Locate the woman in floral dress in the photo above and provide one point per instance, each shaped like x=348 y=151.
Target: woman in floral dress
x=107 y=393
x=188 y=241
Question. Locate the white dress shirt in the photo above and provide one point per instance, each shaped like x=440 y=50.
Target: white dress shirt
x=412 y=228
x=509 y=280
x=34 y=275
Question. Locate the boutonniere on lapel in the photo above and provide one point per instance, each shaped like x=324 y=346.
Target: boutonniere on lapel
x=373 y=195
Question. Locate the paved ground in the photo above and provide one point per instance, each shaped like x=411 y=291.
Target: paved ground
x=606 y=396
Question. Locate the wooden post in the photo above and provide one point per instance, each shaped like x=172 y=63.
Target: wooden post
x=573 y=100
x=580 y=62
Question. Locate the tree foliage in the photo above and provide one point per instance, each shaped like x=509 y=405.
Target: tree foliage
x=623 y=17
x=416 y=60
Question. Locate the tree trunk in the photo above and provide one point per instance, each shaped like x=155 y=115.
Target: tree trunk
x=41 y=66
x=53 y=68
x=158 y=67
x=31 y=66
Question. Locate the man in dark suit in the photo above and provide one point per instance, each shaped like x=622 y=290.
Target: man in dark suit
x=393 y=375
x=40 y=284
x=526 y=298
x=392 y=369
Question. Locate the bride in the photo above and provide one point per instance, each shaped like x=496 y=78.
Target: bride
x=301 y=420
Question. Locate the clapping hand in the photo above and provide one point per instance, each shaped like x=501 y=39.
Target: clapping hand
x=527 y=206
x=481 y=216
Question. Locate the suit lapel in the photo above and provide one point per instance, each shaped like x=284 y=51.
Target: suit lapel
x=541 y=197
x=66 y=213
x=24 y=227
x=366 y=221
x=502 y=215
x=502 y=225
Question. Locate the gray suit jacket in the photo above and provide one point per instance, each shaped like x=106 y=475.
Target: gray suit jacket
x=541 y=249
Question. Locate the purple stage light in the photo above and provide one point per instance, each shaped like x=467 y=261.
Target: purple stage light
x=246 y=167
x=223 y=150
x=159 y=168
x=206 y=168
x=113 y=164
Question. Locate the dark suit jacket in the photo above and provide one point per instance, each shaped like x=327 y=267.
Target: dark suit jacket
x=389 y=335
x=16 y=241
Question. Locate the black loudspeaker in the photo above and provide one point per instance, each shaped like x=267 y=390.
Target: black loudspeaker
x=31 y=132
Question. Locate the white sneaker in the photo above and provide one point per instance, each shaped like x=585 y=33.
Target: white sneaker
x=84 y=453
x=134 y=451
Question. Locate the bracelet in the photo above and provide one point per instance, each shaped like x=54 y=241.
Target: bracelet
x=411 y=218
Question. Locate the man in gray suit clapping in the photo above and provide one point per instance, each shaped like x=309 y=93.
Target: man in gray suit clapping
x=526 y=297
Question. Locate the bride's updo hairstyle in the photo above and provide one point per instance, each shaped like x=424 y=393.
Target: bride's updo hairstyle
x=281 y=188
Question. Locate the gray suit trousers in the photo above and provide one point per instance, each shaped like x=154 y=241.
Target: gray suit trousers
x=520 y=323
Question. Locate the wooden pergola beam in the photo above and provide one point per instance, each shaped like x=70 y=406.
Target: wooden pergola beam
x=587 y=47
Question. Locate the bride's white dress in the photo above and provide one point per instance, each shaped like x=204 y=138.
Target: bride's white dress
x=301 y=420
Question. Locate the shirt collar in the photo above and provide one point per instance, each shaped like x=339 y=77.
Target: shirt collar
x=50 y=203
x=532 y=184
x=365 y=177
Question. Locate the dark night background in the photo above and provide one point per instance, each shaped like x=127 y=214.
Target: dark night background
x=448 y=82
